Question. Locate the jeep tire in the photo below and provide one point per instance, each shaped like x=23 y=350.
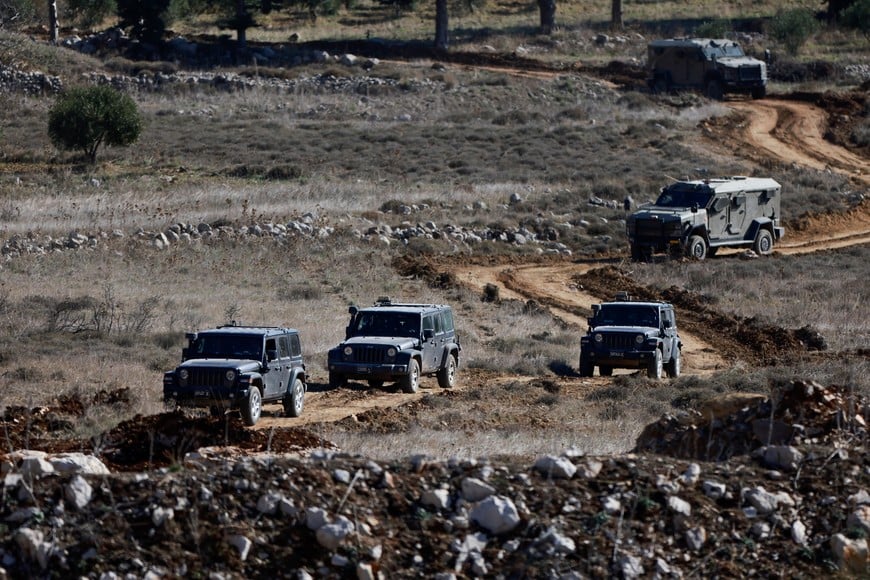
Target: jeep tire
x=294 y=400
x=696 y=248
x=759 y=92
x=605 y=371
x=763 y=245
x=252 y=407
x=587 y=368
x=410 y=383
x=337 y=380
x=447 y=374
x=674 y=365
x=376 y=383
x=654 y=370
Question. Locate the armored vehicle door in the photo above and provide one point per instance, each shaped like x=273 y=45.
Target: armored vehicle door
x=717 y=217
x=696 y=67
x=737 y=215
x=278 y=365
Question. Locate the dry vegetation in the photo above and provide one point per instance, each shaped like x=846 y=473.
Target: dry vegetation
x=445 y=139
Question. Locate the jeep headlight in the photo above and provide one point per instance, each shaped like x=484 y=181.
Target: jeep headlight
x=391 y=352
x=599 y=337
x=639 y=339
x=348 y=351
x=231 y=376
x=183 y=375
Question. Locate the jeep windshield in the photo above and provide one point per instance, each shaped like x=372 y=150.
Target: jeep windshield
x=386 y=324
x=227 y=346
x=684 y=195
x=627 y=315
x=721 y=50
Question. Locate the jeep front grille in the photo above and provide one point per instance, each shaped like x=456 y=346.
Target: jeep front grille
x=369 y=354
x=207 y=377
x=619 y=340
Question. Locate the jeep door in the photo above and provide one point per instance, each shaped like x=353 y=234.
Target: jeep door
x=669 y=333
x=431 y=328
x=278 y=365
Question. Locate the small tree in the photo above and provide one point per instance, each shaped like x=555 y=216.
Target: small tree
x=85 y=118
x=857 y=16
x=146 y=19
x=793 y=28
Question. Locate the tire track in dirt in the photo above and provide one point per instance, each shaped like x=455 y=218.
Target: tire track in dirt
x=552 y=286
x=794 y=132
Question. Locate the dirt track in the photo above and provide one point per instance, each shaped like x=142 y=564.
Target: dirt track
x=788 y=131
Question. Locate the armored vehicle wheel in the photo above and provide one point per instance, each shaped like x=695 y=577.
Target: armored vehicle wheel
x=654 y=371
x=605 y=371
x=715 y=90
x=294 y=400
x=586 y=367
x=673 y=366
x=759 y=92
x=447 y=375
x=696 y=248
x=661 y=86
x=641 y=253
x=376 y=384
x=763 y=245
x=252 y=407
x=336 y=380
x=411 y=382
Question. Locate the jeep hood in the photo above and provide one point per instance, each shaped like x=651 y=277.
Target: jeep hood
x=400 y=342
x=222 y=363
x=738 y=61
x=645 y=330
x=664 y=213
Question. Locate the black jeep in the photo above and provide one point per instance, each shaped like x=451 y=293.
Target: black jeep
x=633 y=335
x=397 y=342
x=239 y=367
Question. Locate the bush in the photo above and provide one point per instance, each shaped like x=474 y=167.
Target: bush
x=714 y=29
x=792 y=28
x=857 y=16
x=91 y=12
x=85 y=118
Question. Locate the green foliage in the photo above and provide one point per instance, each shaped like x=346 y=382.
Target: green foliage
x=714 y=28
x=857 y=16
x=90 y=12
x=17 y=12
x=85 y=118
x=792 y=28
x=146 y=19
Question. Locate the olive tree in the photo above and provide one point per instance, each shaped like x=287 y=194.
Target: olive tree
x=86 y=117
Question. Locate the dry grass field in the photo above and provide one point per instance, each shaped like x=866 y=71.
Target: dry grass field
x=348 y=146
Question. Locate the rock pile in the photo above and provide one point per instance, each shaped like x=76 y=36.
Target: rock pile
x=34 y=83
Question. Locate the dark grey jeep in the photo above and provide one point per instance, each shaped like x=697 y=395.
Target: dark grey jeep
x=239 y=367
x=633 y=335
x=397 y=342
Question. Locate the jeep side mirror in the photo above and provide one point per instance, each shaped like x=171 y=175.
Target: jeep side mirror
x=428 y=334
x=666 y=324
x=184 y=354
x=694 y=208
x=271 y=354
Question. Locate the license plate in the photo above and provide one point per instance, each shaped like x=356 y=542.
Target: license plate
x=363 y=369
x=617 y=354
x=675 y=242
x=202 y=394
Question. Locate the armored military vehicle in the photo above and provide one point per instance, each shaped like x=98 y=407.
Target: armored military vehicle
x=696 y=218
x=714 y=66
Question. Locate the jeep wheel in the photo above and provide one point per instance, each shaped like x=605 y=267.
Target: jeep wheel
x=605 y=371
x=447 y=375
x=715 y=90
x=759 y=92
x=673 y=366
x=696 y=248
x=336 y=380
x=252 y=407
x=587 y=368
x=763 y=245
x=654 y=371
x=376 y=384
x=411 y=382
x=294 y=400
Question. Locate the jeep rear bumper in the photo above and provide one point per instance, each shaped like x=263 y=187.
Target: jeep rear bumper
x=629 y=359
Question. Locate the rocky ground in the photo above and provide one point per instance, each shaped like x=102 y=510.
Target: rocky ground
x=791 y=490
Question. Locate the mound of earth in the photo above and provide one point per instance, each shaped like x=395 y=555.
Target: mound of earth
x=802 y=412
x=746 y=338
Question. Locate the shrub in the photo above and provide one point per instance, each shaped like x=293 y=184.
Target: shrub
x=91 y=12
x=85 y=118
x=714 y=29
x=792 y=28
x=857 y=16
